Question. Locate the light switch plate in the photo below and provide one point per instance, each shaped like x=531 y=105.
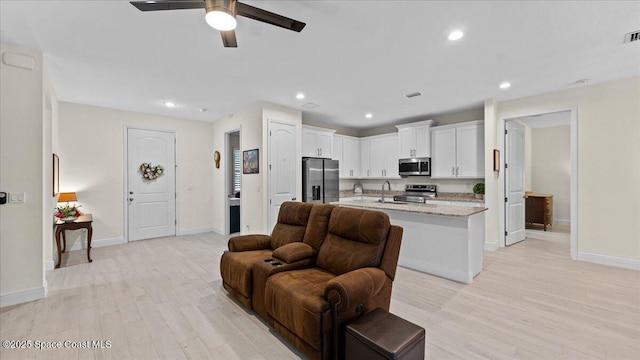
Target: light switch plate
x=17 y=198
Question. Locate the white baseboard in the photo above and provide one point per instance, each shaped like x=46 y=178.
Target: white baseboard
x=562 y=221
x=49 y=264
x=82 y=245
x=192 y=231
x=610 y=260
x=491 y=246
x=23 y=296
x=218 y=231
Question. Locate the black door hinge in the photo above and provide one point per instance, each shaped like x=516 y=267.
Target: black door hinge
x=506 y=166
x=506 y=233
x=505 y=199
x=506 y=131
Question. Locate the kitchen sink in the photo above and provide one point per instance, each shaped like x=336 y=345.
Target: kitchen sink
x=391 y=202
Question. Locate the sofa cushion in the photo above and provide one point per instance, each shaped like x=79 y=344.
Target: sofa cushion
x=356 y=239
x=318 y=225
x=295 y=300
x=235 y=269
x=292 y=223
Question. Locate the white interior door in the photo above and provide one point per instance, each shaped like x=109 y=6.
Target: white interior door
x=282 y=167
x=151 y=203
x=514 y=183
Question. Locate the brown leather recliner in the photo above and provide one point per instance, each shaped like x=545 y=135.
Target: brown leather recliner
x=295 y=239
x=245 y=250
x=353 y=275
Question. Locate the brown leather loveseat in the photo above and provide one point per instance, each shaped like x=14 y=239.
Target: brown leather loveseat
x=350 y=274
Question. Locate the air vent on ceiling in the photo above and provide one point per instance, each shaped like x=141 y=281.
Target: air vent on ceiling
x=310 y=106
x=631 y=37
x=413 y=94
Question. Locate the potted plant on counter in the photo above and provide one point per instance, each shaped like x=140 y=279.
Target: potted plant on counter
x=478 y=189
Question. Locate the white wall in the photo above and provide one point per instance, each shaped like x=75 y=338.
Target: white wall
x=249 y=121
x=254 y=204
x=91 y=143
x=49 y=147
x=608 y=133
x=25 y=150
x=492 y=200
x=551 y=168
x=528 y=157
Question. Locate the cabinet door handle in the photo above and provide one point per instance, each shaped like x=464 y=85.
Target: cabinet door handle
x=453 y=170
x=457 y=171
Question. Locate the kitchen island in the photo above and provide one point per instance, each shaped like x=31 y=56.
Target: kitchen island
x=442 y=240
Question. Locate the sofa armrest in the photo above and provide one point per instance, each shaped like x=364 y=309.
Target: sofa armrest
x=293 y=252
x=249 y=242
x=347 y=291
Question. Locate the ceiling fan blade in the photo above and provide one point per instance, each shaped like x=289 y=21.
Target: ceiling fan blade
x=268 y=17
x=229 y=38
x=168 y=5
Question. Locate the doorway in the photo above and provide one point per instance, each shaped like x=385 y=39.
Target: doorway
x=541 y=160
x=150 y=192
x=233 y=181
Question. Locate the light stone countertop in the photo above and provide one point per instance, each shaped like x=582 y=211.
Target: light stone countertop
x=429 y=209
x=443 y=196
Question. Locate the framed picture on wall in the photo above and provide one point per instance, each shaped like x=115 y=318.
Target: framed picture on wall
x=56 y=175
x=250 y=162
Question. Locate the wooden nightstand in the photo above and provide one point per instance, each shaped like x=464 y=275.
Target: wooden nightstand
x=82 y=222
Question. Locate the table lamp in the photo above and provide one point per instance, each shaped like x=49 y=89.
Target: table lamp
x=67 y=197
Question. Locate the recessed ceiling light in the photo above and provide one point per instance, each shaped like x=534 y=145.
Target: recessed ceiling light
x=368 y=115
x=456 y=35
x=582 y=82
x=299 y=96
x=505 y=85
x=169 y=104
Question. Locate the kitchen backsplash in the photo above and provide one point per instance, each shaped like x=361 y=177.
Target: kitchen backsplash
x=444 y=185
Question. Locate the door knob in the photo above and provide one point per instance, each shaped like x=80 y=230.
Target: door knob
x=130 y=199
x=294 y=198
x=130 y=192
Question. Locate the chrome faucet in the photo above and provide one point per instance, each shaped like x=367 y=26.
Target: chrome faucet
x=388 y=183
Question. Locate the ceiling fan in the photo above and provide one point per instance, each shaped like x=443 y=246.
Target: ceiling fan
x=221 y=14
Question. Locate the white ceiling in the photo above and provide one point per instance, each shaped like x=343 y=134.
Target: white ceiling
x=352 y=58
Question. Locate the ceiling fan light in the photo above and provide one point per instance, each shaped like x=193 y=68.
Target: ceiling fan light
x=221 y=20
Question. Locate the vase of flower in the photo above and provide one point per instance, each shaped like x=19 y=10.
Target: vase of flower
x=68 y=213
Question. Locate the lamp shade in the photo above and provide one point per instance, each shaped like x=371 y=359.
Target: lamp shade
x=68 y=196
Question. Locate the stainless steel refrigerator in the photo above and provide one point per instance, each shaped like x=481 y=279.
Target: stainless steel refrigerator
x=320 y=180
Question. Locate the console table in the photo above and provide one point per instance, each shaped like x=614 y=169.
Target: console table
x=539 y=209
x=82 y=222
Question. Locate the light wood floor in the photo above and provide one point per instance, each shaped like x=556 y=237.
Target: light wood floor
x=163 y=298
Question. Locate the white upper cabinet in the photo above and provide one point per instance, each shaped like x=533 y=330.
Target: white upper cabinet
x=414 y=140
x=346 y=150
x=365 y=158
x=317 y=142
x=383 y=156
x=457 y=151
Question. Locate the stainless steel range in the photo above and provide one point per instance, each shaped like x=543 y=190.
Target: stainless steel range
x=417 y=193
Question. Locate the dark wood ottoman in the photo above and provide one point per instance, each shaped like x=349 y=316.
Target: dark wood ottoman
x=382 y=335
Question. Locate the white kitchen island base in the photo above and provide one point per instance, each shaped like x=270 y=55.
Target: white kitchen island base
x=447 y=246
x=442 y=240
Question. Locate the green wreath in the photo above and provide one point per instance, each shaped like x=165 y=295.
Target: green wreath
x=151 y=172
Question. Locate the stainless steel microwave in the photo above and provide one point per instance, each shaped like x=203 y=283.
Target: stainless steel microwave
x=414 y=166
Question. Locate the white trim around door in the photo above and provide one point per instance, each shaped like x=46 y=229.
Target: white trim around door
x=574 y=170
